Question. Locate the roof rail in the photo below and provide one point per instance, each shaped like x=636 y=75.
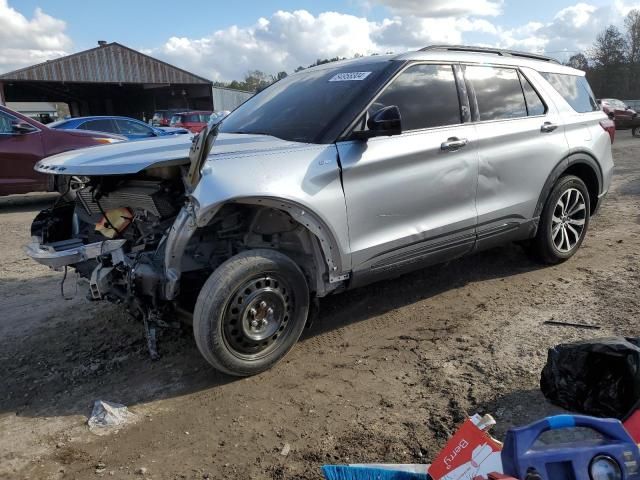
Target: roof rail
x=495 y=51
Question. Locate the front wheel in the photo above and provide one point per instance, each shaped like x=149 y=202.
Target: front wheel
x=564 y=221
x=250 y=312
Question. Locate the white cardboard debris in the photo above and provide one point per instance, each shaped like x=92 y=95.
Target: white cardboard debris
x=108 y=417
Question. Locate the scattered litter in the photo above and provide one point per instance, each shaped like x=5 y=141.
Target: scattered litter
x=471 y=452
x=372 y=472
x=141 y=471
x=107 y=417
x=571 y=324
x=598 y=377
x=285 y=450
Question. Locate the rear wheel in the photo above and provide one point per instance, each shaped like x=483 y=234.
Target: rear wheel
x=564 y=221
x=250 y=312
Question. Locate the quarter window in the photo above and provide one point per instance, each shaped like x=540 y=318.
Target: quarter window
x=426 y=95
x=498 y=92
x=5 y=123
x=535 y=106
x=575 y=90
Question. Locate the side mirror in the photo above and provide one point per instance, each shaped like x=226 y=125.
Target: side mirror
x=384 y=123
x=22 y=128
x=612 y=115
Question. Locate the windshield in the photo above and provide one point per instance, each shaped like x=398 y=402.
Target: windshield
x=56 y=124
x=303 y=107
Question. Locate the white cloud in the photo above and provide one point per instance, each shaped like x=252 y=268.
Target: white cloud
x=27 y=41
x=287 y=40
x=443 y=8
x=572 y=29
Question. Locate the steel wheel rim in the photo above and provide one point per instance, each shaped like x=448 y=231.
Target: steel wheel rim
x=257 y=316
x=568 y=220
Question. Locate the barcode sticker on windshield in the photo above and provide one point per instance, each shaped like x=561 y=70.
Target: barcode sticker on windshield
x=350 y=77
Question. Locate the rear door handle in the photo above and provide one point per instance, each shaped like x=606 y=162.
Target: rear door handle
x=454 y=143
x=548 y=127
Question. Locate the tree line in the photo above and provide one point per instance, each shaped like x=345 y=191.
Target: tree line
x=613 y=63
x=256 y=80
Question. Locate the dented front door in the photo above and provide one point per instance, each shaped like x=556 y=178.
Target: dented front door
x=410 y=198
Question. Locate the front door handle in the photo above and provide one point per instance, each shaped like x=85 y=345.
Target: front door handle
x=454 y=143
x=548 y=127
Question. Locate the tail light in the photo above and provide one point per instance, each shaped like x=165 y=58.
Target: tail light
x=610 y=127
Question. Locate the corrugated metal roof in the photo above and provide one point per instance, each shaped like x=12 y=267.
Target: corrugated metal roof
x=110 y=63
x=32 y=106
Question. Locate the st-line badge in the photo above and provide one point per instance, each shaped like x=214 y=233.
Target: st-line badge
x=349 y=77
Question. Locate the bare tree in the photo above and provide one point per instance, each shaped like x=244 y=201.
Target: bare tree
x=632 y=25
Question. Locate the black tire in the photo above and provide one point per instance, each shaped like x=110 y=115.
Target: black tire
x=264 y=287
x=544 y=245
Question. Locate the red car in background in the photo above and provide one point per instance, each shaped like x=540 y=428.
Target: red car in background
x=162 y=118
x=24 y=141
x=623 y=116
x=192 y=121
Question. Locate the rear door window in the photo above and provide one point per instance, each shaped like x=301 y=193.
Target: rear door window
x=127 y=127
x=498 y=92
x=426 y=95
x=535 y=105
x=99 y=126
x=574 y=89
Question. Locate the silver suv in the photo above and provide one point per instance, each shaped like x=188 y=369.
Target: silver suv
x=330 y=179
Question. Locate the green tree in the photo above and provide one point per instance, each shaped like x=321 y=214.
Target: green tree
x=609 y=48
x=579 y=61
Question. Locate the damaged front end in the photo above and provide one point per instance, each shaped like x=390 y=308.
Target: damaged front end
x=126 y=236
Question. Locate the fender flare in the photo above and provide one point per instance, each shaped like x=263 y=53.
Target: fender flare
x=308 y=219
x=578 y=158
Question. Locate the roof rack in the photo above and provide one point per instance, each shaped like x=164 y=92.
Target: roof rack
x=494 y=51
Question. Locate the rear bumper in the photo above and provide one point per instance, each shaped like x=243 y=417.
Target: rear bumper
x=56 y=256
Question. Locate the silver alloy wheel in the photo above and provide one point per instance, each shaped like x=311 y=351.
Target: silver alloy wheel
x=567 y=223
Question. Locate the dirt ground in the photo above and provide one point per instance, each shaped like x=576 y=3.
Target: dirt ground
x=384 y=375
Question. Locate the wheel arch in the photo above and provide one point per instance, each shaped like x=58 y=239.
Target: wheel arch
x=582 y=165
x=319 y=244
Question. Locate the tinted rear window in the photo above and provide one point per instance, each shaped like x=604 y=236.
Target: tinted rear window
x=498 y=92
x=535 y=105
x=99 y=126
x=575 y=90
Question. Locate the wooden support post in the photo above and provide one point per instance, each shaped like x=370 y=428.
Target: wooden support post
x=2 y=99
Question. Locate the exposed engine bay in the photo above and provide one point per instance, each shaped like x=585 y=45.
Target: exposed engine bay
x=132 y=236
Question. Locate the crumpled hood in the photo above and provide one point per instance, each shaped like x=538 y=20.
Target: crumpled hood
x=132 y=157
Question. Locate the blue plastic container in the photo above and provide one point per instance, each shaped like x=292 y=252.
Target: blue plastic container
x=614 y=457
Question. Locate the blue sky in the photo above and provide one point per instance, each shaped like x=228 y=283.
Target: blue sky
x=120 y=19
x=223 y=40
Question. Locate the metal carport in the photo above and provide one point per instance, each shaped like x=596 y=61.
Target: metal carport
x=110 y=79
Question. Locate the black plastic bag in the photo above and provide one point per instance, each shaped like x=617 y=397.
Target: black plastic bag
x=598 y=377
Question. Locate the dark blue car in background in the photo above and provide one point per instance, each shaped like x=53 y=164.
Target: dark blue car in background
x=128 y=127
